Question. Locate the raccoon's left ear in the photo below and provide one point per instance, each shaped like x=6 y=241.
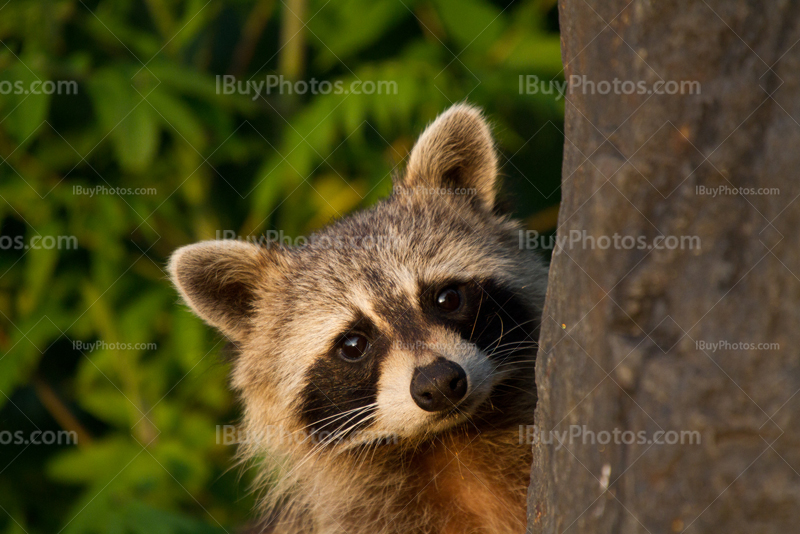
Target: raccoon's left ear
x=219 y=280
x=456 y=151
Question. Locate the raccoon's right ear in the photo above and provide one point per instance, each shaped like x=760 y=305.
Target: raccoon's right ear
x=219 y=280
x=455 y=152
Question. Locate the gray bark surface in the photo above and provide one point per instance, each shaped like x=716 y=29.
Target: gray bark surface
x=622 y=329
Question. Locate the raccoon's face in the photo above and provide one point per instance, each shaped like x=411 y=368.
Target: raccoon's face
x=403 y=320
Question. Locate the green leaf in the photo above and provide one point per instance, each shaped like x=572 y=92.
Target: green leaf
x=24 y=111
x=41 y=262
x=129 y=121
x=95 y=464
x=144 y=519
x=536 y=53
x=350 y=26
x=177 y=118
x=471 y=23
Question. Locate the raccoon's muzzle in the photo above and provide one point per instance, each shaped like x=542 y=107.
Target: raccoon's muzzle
x=439 y=385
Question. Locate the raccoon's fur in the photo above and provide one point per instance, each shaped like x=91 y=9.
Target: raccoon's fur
x=385 y=367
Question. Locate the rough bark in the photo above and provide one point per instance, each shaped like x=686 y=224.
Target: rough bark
x=620 y=342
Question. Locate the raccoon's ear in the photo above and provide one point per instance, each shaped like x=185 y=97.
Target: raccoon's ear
x=456 y=151
x=218 y=280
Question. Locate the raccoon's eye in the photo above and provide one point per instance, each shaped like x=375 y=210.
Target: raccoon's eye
x=449 y=299
x=352 y=347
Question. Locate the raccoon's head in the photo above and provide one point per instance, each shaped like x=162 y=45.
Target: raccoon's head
x=406 y=319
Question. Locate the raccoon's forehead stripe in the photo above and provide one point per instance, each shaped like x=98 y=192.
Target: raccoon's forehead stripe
x=403 y=317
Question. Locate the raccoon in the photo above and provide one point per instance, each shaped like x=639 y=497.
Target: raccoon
x=385 y=367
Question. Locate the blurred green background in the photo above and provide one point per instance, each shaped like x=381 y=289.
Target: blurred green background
x=92 y=339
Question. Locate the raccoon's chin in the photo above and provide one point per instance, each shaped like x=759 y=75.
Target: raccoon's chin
x=442 y=421
x=445 y=421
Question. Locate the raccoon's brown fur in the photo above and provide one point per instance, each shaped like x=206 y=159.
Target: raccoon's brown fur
x=386 y=366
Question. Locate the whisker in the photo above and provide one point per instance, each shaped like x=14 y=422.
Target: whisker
x=518 y=325
x=474 y=324
x=335 y=415
x=354 y=413
x=324 y=443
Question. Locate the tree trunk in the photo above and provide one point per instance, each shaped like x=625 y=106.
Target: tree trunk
x=666 y=339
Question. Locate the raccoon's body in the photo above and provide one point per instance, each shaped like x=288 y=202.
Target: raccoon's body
x=385 y=368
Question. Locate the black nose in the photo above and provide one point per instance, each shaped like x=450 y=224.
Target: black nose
x=439 y=385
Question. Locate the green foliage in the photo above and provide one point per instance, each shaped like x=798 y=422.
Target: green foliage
x=146 y=112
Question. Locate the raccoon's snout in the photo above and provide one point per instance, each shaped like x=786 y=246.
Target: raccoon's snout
x=439 y=385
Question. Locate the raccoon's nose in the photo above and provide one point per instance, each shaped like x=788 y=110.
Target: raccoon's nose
x=439 y=385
